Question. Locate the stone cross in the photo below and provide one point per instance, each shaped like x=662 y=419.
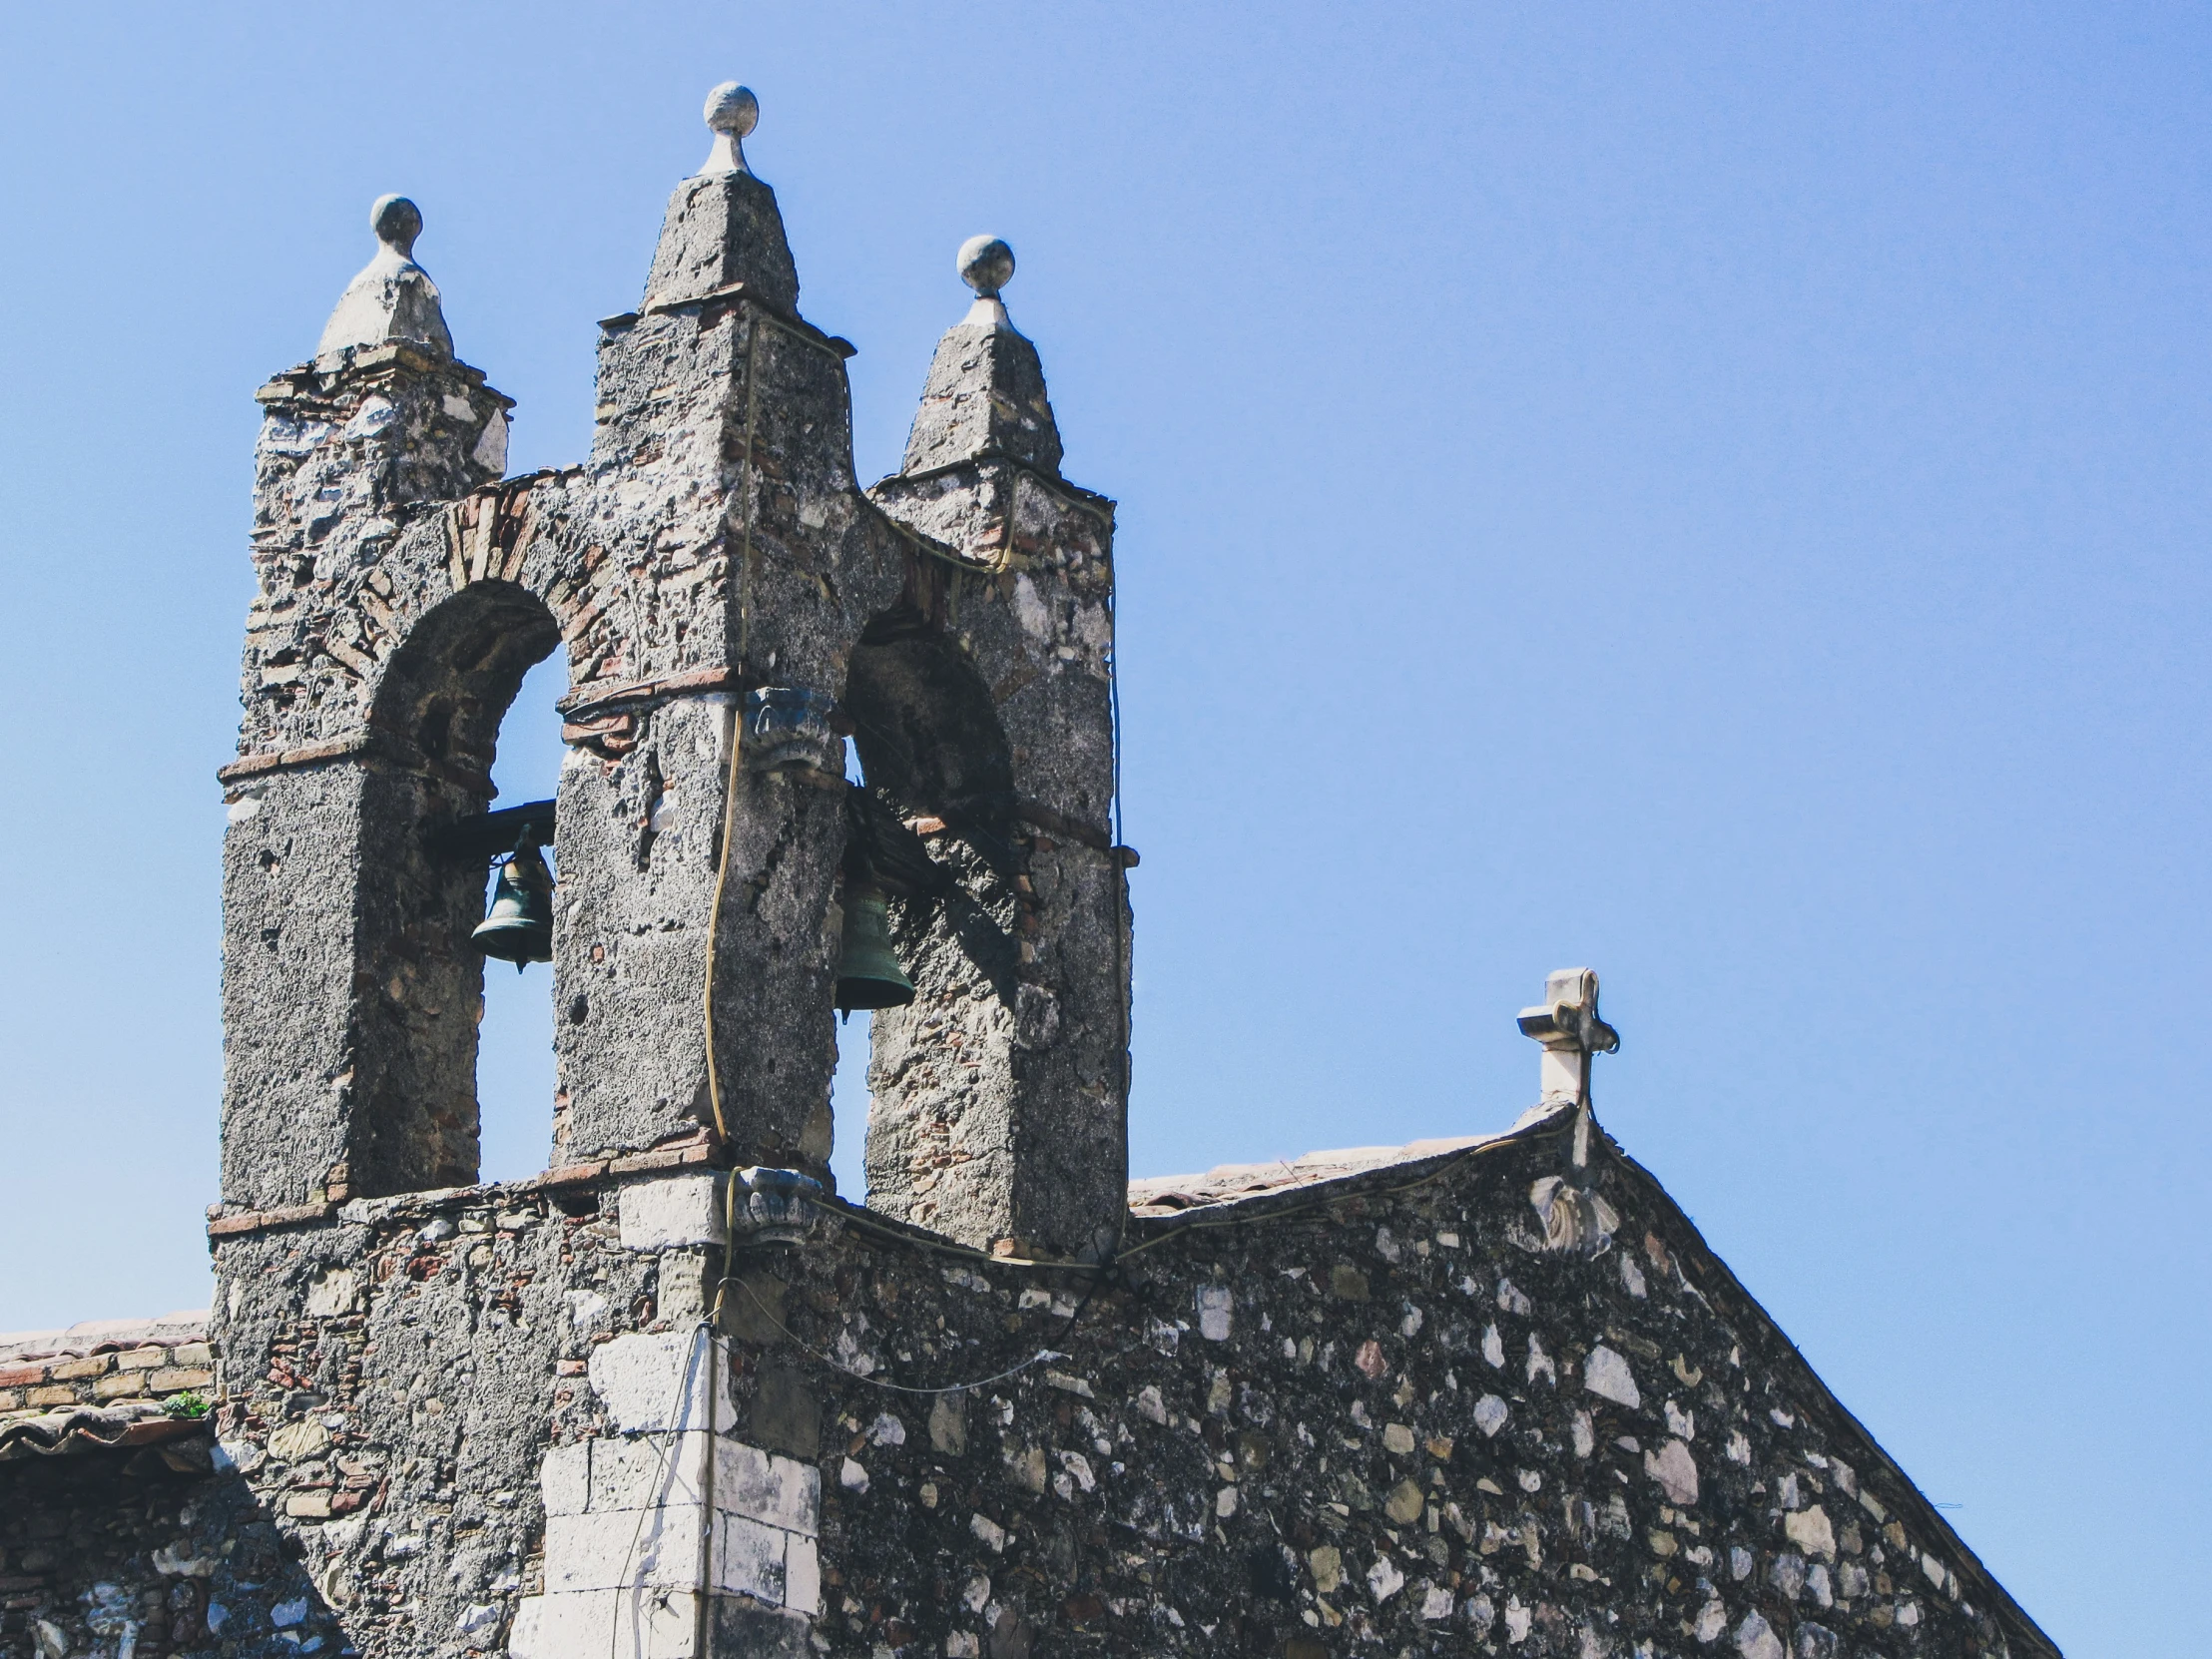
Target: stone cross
x=1566 y=1023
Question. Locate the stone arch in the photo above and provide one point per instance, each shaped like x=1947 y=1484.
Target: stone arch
x=940 y=1074
x=926 y=729
x=418 y=885
x=450 y=682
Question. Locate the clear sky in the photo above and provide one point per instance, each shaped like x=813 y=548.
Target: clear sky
x=1714 y=492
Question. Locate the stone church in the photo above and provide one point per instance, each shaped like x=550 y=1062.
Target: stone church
x=833 y=746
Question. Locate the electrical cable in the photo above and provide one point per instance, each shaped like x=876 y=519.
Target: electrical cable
x=660 y=1463
x=737 y=726
x=1037 y=1359
x=714 y=932
x=859 y=1219
x=714 y=1073
x=1124 y=989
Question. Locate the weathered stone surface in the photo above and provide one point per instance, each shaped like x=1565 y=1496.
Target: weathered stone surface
x=723 y=229
x=786 y=1414
x=985 y=395
x=508 y=1421
x=714 y=542
x=998 y=1095
x=674 y=1210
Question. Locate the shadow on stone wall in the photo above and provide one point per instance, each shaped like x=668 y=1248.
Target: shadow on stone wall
x=142 y=1554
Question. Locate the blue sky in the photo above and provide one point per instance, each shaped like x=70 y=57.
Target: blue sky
x=1718 y=493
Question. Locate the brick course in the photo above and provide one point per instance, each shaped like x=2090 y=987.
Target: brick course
x=146 y=1371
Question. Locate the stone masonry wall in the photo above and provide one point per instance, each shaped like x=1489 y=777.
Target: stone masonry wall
x=1462 y=1404
x=114 y=1552
x=1472 y=1415
x=108 y=1549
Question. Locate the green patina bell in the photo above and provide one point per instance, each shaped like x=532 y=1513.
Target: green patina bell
x=869 y=970
x=518 y=927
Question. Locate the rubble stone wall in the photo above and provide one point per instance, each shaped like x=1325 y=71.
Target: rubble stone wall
x=119 y=1553
x=1485 y=1411
x=1479 y=1402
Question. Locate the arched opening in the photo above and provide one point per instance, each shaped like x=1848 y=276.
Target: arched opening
x=516 y=1077
x=927 y=734
x=935 y=766
x=425 y=867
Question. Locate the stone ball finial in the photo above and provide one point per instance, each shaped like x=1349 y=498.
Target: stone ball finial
x=733 y=111
x=397 y=222
x=986 y=265
x=391 y=299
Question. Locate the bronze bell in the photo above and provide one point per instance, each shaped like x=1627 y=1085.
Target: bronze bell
x=518 y=927
x=868 y=971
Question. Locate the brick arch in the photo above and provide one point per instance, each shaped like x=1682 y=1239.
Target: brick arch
x=449 y=683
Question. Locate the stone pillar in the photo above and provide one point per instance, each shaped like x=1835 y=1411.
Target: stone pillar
x=669 y=1527
x=331 y=996
x=721 y=478
x=1001 y=1094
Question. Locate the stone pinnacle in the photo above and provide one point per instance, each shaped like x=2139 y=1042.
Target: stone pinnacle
x=391 y=299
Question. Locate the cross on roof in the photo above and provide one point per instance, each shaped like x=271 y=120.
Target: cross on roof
x=1566 y=1023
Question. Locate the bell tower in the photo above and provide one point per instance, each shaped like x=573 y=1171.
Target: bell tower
x=733 y=608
